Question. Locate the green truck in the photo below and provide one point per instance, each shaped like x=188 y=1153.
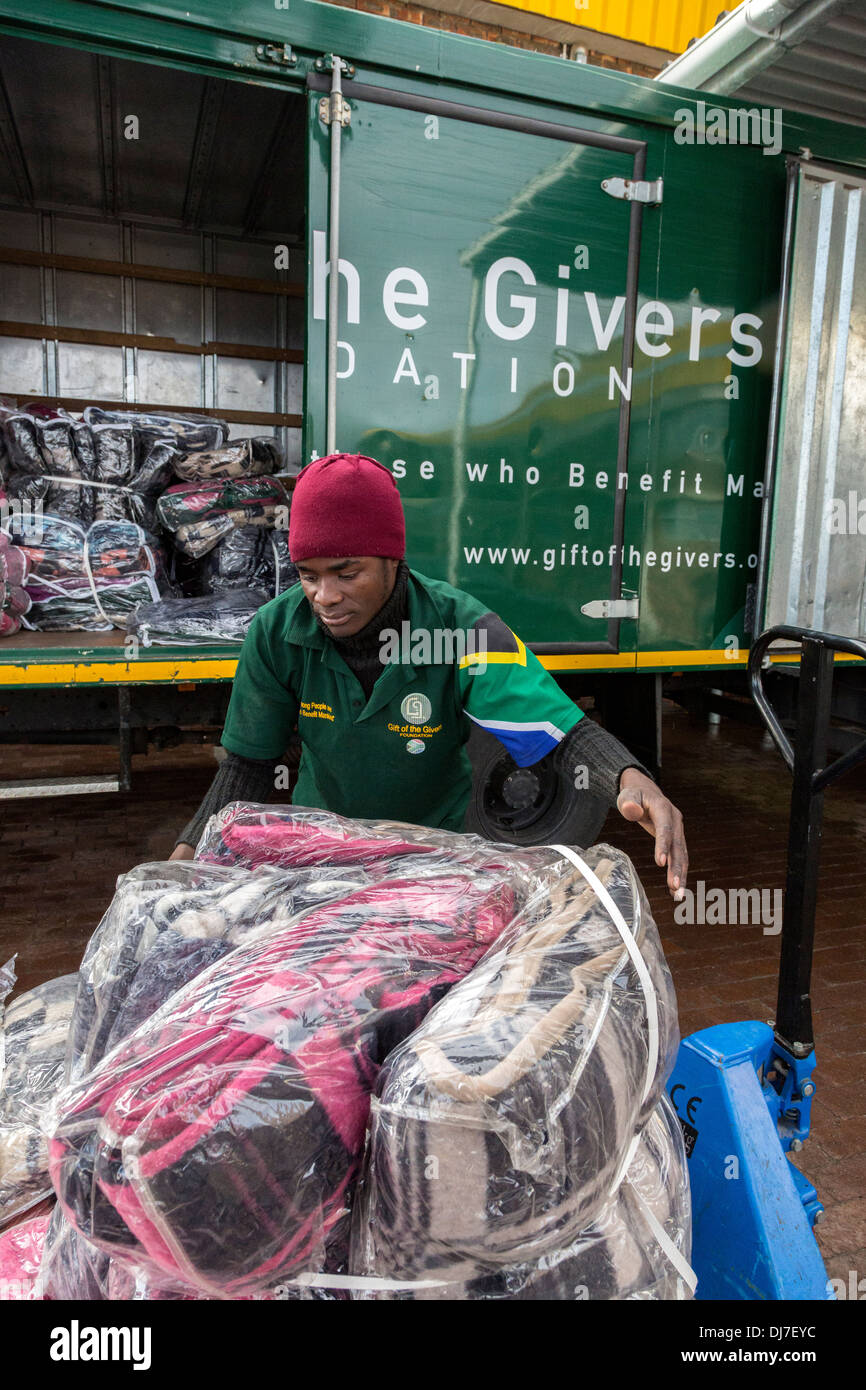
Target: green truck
x=585 y=318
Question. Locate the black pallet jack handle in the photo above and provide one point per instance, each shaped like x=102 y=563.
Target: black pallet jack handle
x=805 y=759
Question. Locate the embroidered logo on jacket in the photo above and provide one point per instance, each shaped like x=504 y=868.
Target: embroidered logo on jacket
x=416 y=708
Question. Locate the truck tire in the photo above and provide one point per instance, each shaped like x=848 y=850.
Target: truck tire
x=527 y=805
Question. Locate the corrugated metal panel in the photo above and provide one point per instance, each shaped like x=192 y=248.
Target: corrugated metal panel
x=657 y=23
x=803 y=55
x=823 y=76
x=817 y=572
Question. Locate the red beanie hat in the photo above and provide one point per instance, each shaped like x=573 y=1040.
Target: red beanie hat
x=346 y=504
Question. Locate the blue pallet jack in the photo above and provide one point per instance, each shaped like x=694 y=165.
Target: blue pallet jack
x=743 y=1091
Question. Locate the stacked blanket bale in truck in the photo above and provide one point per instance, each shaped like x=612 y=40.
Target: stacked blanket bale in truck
x=100 y=488
x=88 y=579
x=227 y=524
x=249 y=557
x=185 y=622
x=33 y=1044
x=82 y=496
x=199 y=514
x=14 y=598
x=233 y=537
x=110 y=466
x=237 y=1016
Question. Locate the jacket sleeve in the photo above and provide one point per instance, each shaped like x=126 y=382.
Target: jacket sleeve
x=505 y=689
x=262 y=711
x=588 y=746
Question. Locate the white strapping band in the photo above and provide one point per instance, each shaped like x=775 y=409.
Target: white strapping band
x=84 y=482
x=652 y=1011
x=676 y=1257
x=363 y=1281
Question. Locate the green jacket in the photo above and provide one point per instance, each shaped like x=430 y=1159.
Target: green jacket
x=399 y=754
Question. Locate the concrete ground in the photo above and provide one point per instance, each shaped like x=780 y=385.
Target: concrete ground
x=61 y=858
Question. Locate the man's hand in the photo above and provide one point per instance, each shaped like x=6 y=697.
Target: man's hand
x=182 y=852
x=642 y=801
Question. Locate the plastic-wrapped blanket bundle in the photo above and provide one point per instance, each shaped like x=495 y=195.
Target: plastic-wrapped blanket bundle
x=507 y=1012
x=21 y=1250
x=188 y=433
x=200 y=514
x=165 y=925
x=243 y=458
x=32 y=1058
x=501 y=1127
x=246 y=835
x=110 y=466
x=249 y=557
x=219 y=1143
x=89 y=579
x=183 y=622
x=14 y=598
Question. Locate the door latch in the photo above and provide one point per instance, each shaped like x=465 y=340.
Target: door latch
x=610 y=608
x=280 y=53
x=634 y=190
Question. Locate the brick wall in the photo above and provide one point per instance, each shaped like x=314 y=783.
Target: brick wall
x=494 y=33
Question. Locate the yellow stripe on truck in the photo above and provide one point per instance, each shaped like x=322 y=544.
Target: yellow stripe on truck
x=116 y=672
x=670 y=661
x=170 y=672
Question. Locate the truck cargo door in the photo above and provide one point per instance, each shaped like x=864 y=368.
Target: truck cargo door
x=812 y=569
x=488 y=267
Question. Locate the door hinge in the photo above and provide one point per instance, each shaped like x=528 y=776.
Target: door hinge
x=334 y=108
x=280 y=53
x=634 y=190
x=610 y=608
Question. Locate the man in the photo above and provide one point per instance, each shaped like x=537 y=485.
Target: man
x=383 y=729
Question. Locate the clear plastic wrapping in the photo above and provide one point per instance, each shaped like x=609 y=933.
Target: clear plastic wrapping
x=168 y=922
x=219 y=1143
x=183 y=622
x=190 y=432
x=618 y=1256
x=56 y=443
x=115 y=464
x=244 y=458
x=330 y=1050
x=70 y=1269
x=36 y=1028
x=245 y=835
x=249 y=557
x=199 y=514
x=92 y=578
x=21 y=1250
x=14 y=598
x=501 y=1124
